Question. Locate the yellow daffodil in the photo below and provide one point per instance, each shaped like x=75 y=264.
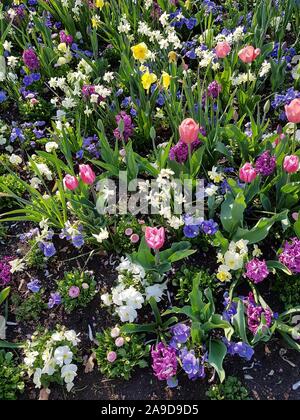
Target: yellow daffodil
x=166 y=80
x=148 y=79
x=95 y=22
x=100 y=4
x=172 y=57
x=140 y=51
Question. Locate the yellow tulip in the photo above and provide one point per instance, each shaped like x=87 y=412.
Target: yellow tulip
x=140 y=51
x=148 y=79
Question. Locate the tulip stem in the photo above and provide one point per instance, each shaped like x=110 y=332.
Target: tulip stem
x=190 y=159
x=157 y=258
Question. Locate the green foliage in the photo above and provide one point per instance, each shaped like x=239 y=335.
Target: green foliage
x=183 y=281
x=30 y=308
x=11 y=377
x=10 y=182
x=35 y=257
x=288 y=288
x=122 y=241
x=131 y=355
x=231 y=389
x=86 y=284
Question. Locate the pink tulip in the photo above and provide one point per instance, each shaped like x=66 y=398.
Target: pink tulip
x=293 y=111
x=112 y=356
x=155 y=238
x=189 y=131
x=71 y=182
x=87 y=174
x=291 y=164
x=222 y=49
x=249 y=54
x=248 y=173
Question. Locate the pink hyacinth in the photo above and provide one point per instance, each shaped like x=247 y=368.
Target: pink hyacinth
x=257 y=270
x=155 y=238
x=256 y=313
x=164 y=362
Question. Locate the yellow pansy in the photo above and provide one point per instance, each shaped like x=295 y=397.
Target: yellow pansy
x=172 y=57
x=148 y=79
x=224 y=274
x=100 y=4
x=166 y=80
x=62 y=47
x=140 y=51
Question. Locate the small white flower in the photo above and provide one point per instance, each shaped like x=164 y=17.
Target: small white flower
x=104 y=234
x=126 y=313
x=37 y=378
x=63 y=355
x=68 y=374
x=15 y=160
x=51 y=146
x=106 y=299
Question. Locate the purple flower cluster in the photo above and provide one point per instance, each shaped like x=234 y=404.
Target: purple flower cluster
x=256 y=313
x=290 y=256
x=214 y=89
x=54 y=300
x=230 y=308
x=5 y=274
x=194 y=227
x=31 y=60
x=127 y=131
x=266 y=164
x=193 y=366
x=164 y=362
x=257 y=270
x=240 y=349
x=91 y=145
x=190 y=23
x=68 y=39
x=76 y=237
x=180 y=151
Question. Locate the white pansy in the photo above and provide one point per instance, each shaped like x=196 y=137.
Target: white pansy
x=68 y=374
x=37 y=378
x=106 y=299
x=51 y=146
x=233 y=260
x=72 y=337
x=63 y=355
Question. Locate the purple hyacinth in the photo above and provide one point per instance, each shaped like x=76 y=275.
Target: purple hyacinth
x=164 y=362
x=31 y=60
x=214 y=89
x=257 y=270
x=192 y=365
x=181 y=333
x=127 y=129
x=5 y=274
x=255 y=315
x=266 y=164
x=240 y=349
x=290 y=256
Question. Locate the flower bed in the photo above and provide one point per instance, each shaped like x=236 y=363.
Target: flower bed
x=149 y=199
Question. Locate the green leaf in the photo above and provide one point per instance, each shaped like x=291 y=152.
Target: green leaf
x=239 y=322
x=232 y=212
x=276 y=265
x=217 y=354
x=261 y=230
x=4 y=295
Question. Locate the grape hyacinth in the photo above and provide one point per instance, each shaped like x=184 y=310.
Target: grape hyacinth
x=257 y=270
x=290 y=256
